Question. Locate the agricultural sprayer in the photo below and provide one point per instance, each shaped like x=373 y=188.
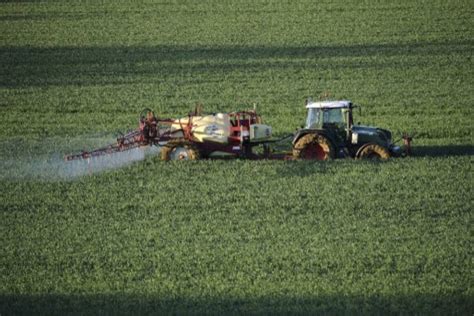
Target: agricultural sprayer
x=329 y=133
x=193 y=137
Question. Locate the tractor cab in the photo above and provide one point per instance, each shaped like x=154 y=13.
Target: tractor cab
x=326 y=114
x=334 y=117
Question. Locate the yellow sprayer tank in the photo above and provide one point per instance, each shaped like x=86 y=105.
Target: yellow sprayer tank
x=217 y=128
x=214 y=128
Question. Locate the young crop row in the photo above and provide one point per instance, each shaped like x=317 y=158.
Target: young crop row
x=51 y=87
x=364 y=232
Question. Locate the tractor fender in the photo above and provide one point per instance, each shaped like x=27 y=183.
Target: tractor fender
x=303 y=132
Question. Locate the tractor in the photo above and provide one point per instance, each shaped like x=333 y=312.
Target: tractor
x=330 y=133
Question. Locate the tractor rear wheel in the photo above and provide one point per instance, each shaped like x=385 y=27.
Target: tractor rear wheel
x=179 y=149
x=373 y=151
x=313 y=147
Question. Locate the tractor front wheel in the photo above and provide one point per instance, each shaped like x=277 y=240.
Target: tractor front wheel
x=373 y=151
x=179 y=149
x=313 y=147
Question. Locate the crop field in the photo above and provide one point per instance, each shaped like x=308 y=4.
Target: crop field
x=129 y=234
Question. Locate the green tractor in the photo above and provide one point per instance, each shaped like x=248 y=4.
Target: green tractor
x=330 y=133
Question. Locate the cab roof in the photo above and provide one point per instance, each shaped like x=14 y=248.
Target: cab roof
x=328 y=104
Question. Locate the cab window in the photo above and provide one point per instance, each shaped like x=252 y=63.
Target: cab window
x=314 y=118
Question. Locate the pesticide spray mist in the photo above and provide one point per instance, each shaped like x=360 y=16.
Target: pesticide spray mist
x=25 y=161
x=75 y=168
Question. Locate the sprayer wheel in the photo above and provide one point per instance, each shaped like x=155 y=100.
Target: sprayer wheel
x=373 y=151
x=313 y=147
x=179 y=149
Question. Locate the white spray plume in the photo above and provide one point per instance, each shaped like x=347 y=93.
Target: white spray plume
x=52 y=166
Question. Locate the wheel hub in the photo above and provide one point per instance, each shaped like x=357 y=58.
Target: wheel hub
x=314 y=152
x=179 y=153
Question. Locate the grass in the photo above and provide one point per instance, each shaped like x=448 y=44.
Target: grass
x=219 y=237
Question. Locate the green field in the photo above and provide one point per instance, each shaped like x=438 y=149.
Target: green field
x=134 y=235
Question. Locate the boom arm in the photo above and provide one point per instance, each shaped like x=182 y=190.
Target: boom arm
x=126 y=142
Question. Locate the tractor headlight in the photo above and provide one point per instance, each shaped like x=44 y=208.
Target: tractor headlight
x=396 y=150
x=355 y=138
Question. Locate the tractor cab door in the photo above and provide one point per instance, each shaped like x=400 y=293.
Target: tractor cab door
x=335 y=122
